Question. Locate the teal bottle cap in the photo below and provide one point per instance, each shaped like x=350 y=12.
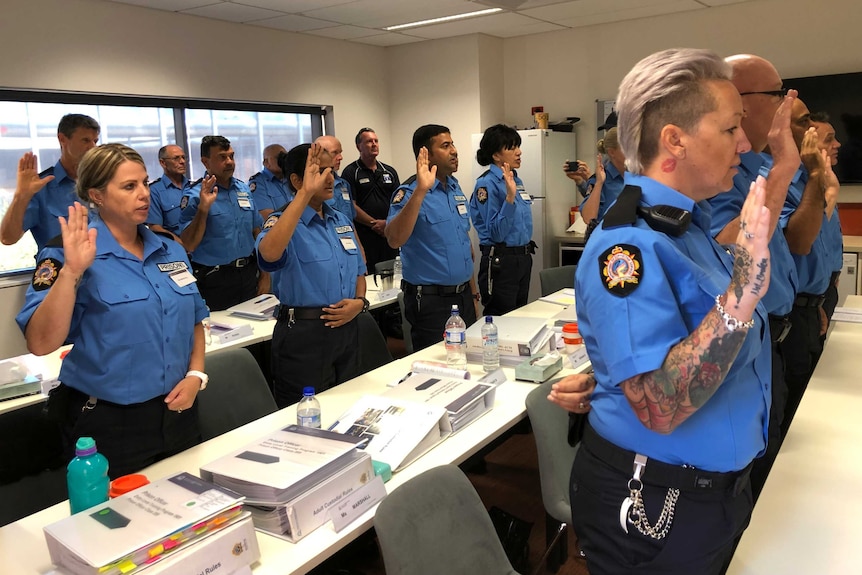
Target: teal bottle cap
x=85 y=446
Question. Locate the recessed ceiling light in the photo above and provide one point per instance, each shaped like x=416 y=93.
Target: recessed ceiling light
x=443 y=19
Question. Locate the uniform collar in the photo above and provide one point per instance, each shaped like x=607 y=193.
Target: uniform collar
x=308 y=214
x=170 y=183
x=107 y=244
x=751 y=162
x=655 y=193
x=60 y=173
x=451 y=185
x=612 y=170
x=269 y=175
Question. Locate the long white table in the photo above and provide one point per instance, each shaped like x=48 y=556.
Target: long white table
x=261 y=331
x=809 y=516
x=22 y=544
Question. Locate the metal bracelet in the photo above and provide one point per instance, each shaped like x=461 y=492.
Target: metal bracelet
x=731 y=323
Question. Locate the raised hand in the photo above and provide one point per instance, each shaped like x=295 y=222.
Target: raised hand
x=79 y=242
x=600 y=171
x=814 y=159
x=780 y=137
x=751 y=262
x=425 y=173
x=29 y=182
x=509 y=178
x=314 y=178
x=209 y=192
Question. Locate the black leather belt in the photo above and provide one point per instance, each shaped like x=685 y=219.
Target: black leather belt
x=663 y=474
x=508 y=250
x=808 y=300
x=237 y=263
x=410 y=289
x=779 y=327
x=286 y=313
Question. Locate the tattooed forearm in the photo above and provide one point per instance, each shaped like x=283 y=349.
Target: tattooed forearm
x=760 y=278
x=692 y=372
x=742 y=263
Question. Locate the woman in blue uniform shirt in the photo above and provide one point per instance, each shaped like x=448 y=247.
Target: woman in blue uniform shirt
x=318 y=274
x=126 y=299
x=500 y=210
x=607 y=183
x=678 y=340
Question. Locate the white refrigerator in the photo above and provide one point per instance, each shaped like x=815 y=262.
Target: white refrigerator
x=542 y=155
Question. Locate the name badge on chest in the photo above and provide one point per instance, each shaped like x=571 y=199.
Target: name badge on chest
x=347 y=243
x=462 y=209
x=345 y=195
x=526 y=197
x=244 y=203
x=364 y=180
x=182 y=277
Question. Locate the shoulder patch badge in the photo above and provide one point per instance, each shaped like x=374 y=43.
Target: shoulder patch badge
x=399 y=195
x=184 y=202
x=621 y=269
x=270 y=221
x=482 y=195
x=252 y=186
x=46 y=273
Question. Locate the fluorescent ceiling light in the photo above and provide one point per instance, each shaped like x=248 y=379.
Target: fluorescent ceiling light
x=443 y=19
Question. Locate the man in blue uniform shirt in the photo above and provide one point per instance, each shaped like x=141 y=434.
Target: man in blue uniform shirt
x=35 y=209
x=342 y=195
x=219 y=224
x=766 y=123
x=268 y=185
x=167 y=191
x=429 y=220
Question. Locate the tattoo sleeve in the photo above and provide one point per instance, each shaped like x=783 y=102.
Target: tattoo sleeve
x=691 y=373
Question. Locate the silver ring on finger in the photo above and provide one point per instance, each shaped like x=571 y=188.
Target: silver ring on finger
x=749 y=235
x=581 y=405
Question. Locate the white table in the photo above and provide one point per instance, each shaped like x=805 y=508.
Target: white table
x=22 y=544
x=809 y=516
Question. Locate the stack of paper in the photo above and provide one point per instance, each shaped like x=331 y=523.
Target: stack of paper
x=142 y=527
x=292 y=476
x=518 y=338
x=260 y=307
x=463 y=400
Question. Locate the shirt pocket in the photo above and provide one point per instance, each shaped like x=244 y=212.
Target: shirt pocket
x=126 y=305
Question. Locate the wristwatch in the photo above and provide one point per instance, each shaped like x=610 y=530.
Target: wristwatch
x=477 y=296
x=199 y=374
x=365 y=304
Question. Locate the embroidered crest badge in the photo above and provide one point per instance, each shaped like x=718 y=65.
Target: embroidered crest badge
x=46 y=273
x=252 y=186
x=184 y=202
x=621 y=269
x=399 y=195
x=270 y=221
x=482 y=195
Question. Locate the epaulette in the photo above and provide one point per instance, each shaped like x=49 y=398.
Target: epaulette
x=409 y=180
x=55 y=242
x=485 y=173
x=164 y=234
x=47 y=172
x=156 y=181
x=196 y=182
x=625 y=210
x=254 y=176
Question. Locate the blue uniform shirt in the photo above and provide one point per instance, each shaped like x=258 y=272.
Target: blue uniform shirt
x=48 y=204
x=496 y=220
x=610 y=189
x=270 y=193
x=834 y=242
x=670 y=285
x=132 y=326
x=783 y=281
x=231 y=222
x=812 y=268
x=165 y=199
x=342 y=198
x=320 y=265
x=438 y=250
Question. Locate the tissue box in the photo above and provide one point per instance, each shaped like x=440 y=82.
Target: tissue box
x=539 y=368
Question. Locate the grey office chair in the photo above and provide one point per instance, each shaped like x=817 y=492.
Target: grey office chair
x=237 y=393
x=372 y=345
x=550 y=424
x=436 y=523
x=384 y=265
x=405 y=325
x=555 y=279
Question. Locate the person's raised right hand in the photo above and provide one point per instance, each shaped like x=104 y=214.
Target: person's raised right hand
x=209 y=192
x=29 y=183
x=425 y=172
x=79 y=241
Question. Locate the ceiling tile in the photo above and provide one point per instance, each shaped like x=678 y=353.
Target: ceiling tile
x=293 y=23
x=380 y=13
x=292 y=6
x=388 y=39
x=657 y=9
x=346 y=32
x=720 y=2
x=233 y=12
x=169 y=5
x=584 y=8
x=494 y=25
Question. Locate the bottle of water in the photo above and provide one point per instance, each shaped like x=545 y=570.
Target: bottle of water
x=490 y=351
x=205 y=322
x=397 y=273
x=456 y=341
x=308 y=409
x=87 y=476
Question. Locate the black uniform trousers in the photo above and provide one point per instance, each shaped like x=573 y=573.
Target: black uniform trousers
x=132 y=436
x=306 y=352
x=504 y=279
x=227 y=285
x=428 y=312
x=376 y=247
x=706 y=521
x=801 y=350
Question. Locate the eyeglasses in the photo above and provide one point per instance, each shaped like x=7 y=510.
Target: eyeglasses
x=176 y=159
x=779 y=93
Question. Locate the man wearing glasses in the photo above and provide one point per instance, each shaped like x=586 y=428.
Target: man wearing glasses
x=167 y=191
x=373 y=184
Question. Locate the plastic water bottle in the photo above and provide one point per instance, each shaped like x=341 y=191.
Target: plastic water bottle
x=456 y=341
x=308 y=409
x=490 y=351
x=205 y=322
x=87 y=476
x=397 y=273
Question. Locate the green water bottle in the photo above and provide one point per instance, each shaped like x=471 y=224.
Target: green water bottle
x=87 y=476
